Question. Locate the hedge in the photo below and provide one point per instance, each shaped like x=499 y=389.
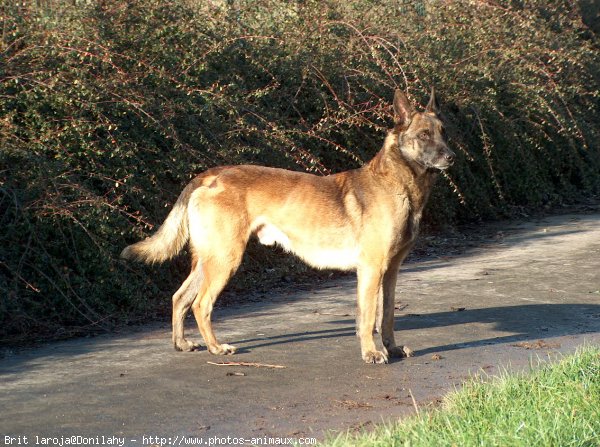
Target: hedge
x=108 y=108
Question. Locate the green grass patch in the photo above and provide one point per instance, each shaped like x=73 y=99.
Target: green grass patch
x=555 y=405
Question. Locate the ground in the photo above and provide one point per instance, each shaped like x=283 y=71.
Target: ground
x=512 y=293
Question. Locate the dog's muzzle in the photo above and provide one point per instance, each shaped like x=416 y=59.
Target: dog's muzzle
x=446 y=159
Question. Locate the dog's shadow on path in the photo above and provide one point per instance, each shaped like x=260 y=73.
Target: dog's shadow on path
x=520 y=323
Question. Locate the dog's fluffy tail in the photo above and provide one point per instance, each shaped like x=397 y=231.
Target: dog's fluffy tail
x=170 y=237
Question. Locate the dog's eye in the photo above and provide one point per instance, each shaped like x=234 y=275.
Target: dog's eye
x=424 y=135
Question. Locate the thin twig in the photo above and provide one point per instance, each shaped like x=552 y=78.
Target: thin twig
x=256 y=365
x=414 y=401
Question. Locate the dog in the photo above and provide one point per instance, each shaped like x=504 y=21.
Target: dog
x=364 y=219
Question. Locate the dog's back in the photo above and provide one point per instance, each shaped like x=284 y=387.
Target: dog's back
x=364 y=219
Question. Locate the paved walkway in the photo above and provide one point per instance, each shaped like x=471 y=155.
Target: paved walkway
x=533 y=289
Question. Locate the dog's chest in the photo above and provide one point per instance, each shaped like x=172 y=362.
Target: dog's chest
x=412 y=228
x=406 y=231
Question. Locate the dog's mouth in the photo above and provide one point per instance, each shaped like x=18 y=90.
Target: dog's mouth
x=443 y=166
x=445 y=160
x=437 y=166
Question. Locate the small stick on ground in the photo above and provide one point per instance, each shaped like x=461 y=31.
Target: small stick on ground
x=414 y=401
x=256 y=365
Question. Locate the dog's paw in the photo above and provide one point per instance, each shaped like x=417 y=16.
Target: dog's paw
x=223 y=349
x=400 y=352
x=375 y=357
x=186 y=345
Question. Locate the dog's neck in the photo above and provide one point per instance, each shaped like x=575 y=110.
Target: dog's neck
x=391 y=164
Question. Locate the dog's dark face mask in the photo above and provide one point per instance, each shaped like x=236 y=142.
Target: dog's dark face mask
x=422 y=138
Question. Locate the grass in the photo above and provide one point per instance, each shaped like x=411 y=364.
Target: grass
x=554 y=405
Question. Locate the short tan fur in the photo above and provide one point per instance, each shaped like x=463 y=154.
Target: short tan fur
x=364 y=219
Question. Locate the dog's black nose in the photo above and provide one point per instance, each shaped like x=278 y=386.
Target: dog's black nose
x=450 y=156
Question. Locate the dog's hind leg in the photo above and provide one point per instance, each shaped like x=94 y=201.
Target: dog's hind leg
x=182 y=301
x=217 y=273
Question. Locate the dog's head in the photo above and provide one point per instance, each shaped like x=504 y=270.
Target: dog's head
x=421 y=136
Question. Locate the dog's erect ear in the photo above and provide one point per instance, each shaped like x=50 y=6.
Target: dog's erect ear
x=403 y=109
x=433 y=105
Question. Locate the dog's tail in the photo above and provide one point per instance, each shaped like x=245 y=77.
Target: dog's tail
x=170 y=237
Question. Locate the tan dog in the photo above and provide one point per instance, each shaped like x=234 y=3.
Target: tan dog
x=365 y=219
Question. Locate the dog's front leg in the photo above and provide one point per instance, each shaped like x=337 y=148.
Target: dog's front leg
x=388 y=304
x=369 y=285
x=379 y=317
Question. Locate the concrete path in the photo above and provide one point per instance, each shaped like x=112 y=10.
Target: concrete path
x=523 y=290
